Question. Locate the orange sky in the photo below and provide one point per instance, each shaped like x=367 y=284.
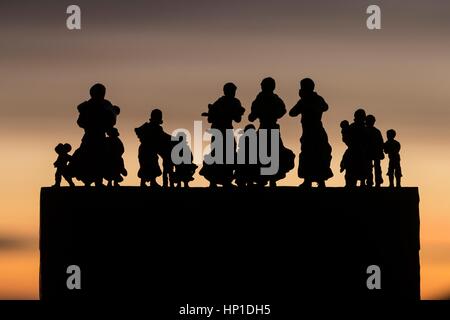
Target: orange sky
x=178 y=61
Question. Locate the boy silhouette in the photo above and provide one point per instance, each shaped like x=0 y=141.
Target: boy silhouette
x=392 y=149
x=61 y=164
x=374 y=151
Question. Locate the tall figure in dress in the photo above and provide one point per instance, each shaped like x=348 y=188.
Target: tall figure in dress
x=268 y=108
x=315 y=155
x=97 y=116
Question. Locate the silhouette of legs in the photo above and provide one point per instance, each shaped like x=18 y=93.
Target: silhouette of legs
x=391 y=181
x=378 y=174
x=398 y=179
x=58 y=178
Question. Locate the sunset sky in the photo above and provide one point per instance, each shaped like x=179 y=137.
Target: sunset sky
x=176 y=55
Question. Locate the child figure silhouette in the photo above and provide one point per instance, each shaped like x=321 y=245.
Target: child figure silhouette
x=115 y=166
x=247 y=174
x=346 y=161
x=184 y=172
x=61 y=164
x=392 y=149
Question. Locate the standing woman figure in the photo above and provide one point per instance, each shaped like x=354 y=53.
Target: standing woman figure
x=268 y=108
x=315 y=154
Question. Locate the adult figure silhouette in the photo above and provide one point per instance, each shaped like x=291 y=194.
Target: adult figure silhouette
x=375 y=152
x=154 y=142
x=315 y=155
x=221 y=115
x=359 y=164
x=96 y=116
x=268 y=108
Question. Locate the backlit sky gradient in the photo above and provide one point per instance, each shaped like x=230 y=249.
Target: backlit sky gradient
x=176 y=55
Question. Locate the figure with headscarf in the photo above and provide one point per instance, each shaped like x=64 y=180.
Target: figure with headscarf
x=268 y=108
x=315 y=155
x=97 y=116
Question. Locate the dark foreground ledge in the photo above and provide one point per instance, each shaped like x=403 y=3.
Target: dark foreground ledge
x=230 y=245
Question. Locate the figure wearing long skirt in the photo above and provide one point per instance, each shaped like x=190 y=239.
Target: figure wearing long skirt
x=96 y=117
x=115 y=166
x=359 y=166
x=315 y=155
x=247 y=173
x=268 y=108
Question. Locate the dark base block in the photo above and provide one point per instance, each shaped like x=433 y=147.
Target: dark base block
x=230 y=246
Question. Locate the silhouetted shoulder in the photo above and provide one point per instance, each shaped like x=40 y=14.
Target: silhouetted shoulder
x=321 y=102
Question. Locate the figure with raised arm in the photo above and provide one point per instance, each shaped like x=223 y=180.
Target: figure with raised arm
x=221 y=115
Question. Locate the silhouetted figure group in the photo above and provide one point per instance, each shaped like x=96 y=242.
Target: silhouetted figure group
x=155 y=144
x=365 y=150
x=100 y=155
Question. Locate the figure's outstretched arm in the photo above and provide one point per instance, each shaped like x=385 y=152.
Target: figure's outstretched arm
x=296 y=110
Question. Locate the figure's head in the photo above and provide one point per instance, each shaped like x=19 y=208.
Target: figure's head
x=391 y=134
x=156 y=116
x=345 y=124
x=113 y=133
x=370 y=120
x=63 y=148
x=268 y=85
x=307 y=85
x=116 y=110
x=229 y=89
x=249 y=127
x=360 y=116
x=98 y=91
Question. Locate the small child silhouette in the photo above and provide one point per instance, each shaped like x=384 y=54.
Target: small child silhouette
x=114 y=166
x=61 y=164
x=184 y=172
x=392 y=149
x=345 y=162
x=247 y=174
